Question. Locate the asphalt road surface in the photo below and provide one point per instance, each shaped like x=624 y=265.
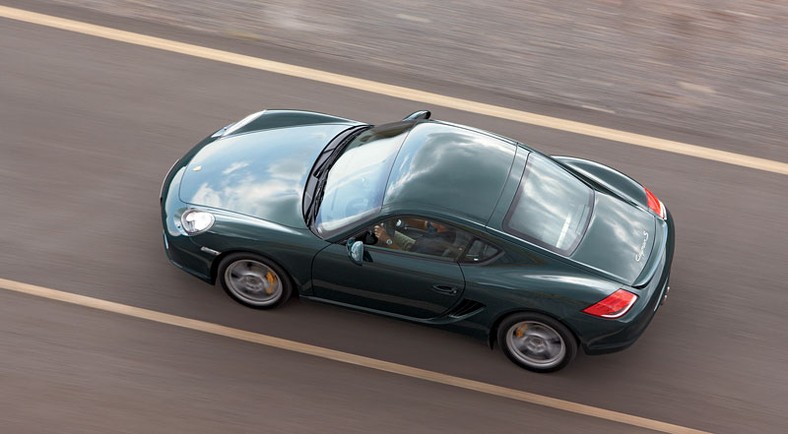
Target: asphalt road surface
x=88 y=128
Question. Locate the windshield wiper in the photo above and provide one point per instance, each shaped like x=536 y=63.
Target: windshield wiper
x=321 y=168
x=314 y=206
x=318 y=170
x=335 y=150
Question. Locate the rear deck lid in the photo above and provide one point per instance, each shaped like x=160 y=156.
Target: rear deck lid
x=619 y=238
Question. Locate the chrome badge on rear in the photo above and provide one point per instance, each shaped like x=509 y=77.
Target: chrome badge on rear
x=642 y=251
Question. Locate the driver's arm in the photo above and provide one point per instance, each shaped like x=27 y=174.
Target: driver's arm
x=403 y=241
x=399 y=241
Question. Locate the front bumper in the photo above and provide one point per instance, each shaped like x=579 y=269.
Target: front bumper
x=186 y=255
x=180 y=248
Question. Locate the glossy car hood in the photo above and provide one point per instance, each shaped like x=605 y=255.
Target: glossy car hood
x=259 y=174
x=619 y=238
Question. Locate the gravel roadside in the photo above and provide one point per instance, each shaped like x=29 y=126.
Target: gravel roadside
x=718 y=67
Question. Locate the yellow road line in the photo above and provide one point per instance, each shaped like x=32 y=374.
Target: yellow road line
x=427 y=98
x=339 y=356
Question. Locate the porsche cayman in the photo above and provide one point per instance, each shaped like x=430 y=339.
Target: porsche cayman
x=426 y=221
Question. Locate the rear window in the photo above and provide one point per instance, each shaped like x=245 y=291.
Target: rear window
x=551 y=208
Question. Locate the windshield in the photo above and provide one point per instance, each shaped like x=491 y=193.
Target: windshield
x=356 y=182
x=552 y=208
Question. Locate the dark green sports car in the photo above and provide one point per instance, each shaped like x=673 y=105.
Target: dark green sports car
x=427 y=221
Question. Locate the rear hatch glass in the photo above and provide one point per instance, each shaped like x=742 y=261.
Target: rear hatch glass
x=552 y=208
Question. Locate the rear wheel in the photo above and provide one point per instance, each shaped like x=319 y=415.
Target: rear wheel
x=536 y=342
x=254 y=281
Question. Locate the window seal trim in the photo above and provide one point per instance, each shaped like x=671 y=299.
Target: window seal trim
x=533 y=240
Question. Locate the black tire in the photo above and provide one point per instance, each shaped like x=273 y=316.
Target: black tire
x=254 y=281
x=536 y=342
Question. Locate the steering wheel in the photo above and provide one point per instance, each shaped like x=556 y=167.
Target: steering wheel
x=391 y=229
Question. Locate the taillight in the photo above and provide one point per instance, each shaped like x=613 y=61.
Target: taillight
x=614 y=305
x=655 y=204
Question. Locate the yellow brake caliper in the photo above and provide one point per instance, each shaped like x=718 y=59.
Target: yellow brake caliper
x=271 y=278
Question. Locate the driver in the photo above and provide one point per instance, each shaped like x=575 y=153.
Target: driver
x=436 y=239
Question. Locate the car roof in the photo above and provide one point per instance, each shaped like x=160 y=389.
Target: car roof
x=450 y=169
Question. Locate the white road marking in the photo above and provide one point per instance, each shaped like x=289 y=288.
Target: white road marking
x=427 y=98
x=339 y=356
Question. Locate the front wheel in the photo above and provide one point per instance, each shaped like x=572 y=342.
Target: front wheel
x=254 y=281
x=537 y=342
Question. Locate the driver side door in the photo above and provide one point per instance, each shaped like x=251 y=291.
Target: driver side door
x=420 y=284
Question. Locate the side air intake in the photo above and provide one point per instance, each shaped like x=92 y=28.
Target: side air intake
x=466 y=308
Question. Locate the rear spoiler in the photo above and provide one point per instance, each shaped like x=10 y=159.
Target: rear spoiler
x=606 y=179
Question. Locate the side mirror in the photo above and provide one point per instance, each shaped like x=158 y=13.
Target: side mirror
x=355 y=250
x=421 y=114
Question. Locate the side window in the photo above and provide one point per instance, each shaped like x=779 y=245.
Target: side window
x=422 y=236
x=479 y=251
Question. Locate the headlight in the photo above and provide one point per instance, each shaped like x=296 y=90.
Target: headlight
x=195 y=222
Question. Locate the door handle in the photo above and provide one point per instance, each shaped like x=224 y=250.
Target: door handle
x=444 y=289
